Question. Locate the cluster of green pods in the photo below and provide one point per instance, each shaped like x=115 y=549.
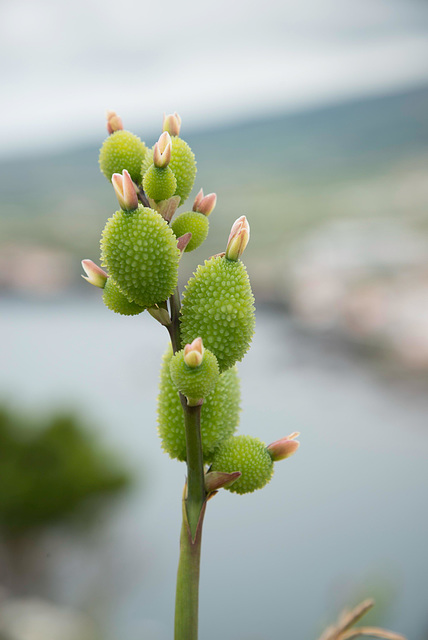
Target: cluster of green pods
x=141 y=246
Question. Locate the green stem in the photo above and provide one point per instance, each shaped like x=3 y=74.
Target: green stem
x=195 y=464
x=194 y=500
x=187 y=597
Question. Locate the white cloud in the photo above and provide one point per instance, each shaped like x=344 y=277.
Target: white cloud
x=64 y=63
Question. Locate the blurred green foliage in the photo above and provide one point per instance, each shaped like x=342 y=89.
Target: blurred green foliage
x=49 y=470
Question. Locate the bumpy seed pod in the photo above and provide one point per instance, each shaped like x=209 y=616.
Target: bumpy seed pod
x=196 y=223
x=219 y=413
x=194 y=373
x=159 y=183
x=183 y=164
x=117 y=302
x=141 y=254
x=218 y=306
x=147 y=162
x=247 y=455
x=122 y=150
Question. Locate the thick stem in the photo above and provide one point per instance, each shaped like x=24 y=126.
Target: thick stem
x=195 y=464
x=187 y=598
x=187 y=594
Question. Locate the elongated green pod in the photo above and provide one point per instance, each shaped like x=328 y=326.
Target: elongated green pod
x=195 y=222
x=183 y=164
x=115 y=300
x=122 y=150
x=247 y=455
x=141 y=254
x=219 y=413
x=218 y=306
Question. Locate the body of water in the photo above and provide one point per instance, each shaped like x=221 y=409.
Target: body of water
x=346 y=515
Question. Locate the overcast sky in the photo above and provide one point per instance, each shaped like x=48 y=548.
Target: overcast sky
x=64 y=63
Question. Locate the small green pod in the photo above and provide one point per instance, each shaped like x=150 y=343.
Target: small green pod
x=194 y=382
x=183 y=164
x=219 y=413
x=247 y=455
x=117 y=302
x=195 y=222
x=159 y=183
x=140 y=251
x=218 y=306
x=122 y=150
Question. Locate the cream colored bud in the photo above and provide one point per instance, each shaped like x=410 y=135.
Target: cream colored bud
x=94 y=274
x=162 y=151
x=194 y=353
x=114 y=122
x=125 y=191
x=172 y=124
x=238 y=239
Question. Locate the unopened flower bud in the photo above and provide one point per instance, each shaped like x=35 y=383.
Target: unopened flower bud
x=215 y=480
x=205 y=204
x=125 y=191
x=114 y=122
x=94 y=274
x=283 y=448
x=172 y=124
x=162 y=151
x=194 y=353
x=238 y=239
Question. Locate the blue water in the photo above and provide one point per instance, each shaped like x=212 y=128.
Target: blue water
x=349 y=509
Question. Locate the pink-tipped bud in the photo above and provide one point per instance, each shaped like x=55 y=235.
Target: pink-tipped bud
x=114 y=122
x=194 y=353
x=284 y=448
x=215 y=480
x=94 y=274
x=198 y=199
x=183 y=241
x=238 y=239
x=205 y=204
x=172 y=124
x=162 y=151
x=125 y=191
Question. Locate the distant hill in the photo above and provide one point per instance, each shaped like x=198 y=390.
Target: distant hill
x=287 y=171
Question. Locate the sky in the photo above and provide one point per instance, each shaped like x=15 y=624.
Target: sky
x=64 y=63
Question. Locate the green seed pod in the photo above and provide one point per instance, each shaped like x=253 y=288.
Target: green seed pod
x=218 y=306
x=247 y=455
x=183 y=165
x=122 y=150
x=219 y=413
x=159 y=183
x=141 y=254
x=147 y=162
x=196 y=223
x=194 y=382
x=117 y=302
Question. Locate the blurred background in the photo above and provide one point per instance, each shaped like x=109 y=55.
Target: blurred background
x=311 y=118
